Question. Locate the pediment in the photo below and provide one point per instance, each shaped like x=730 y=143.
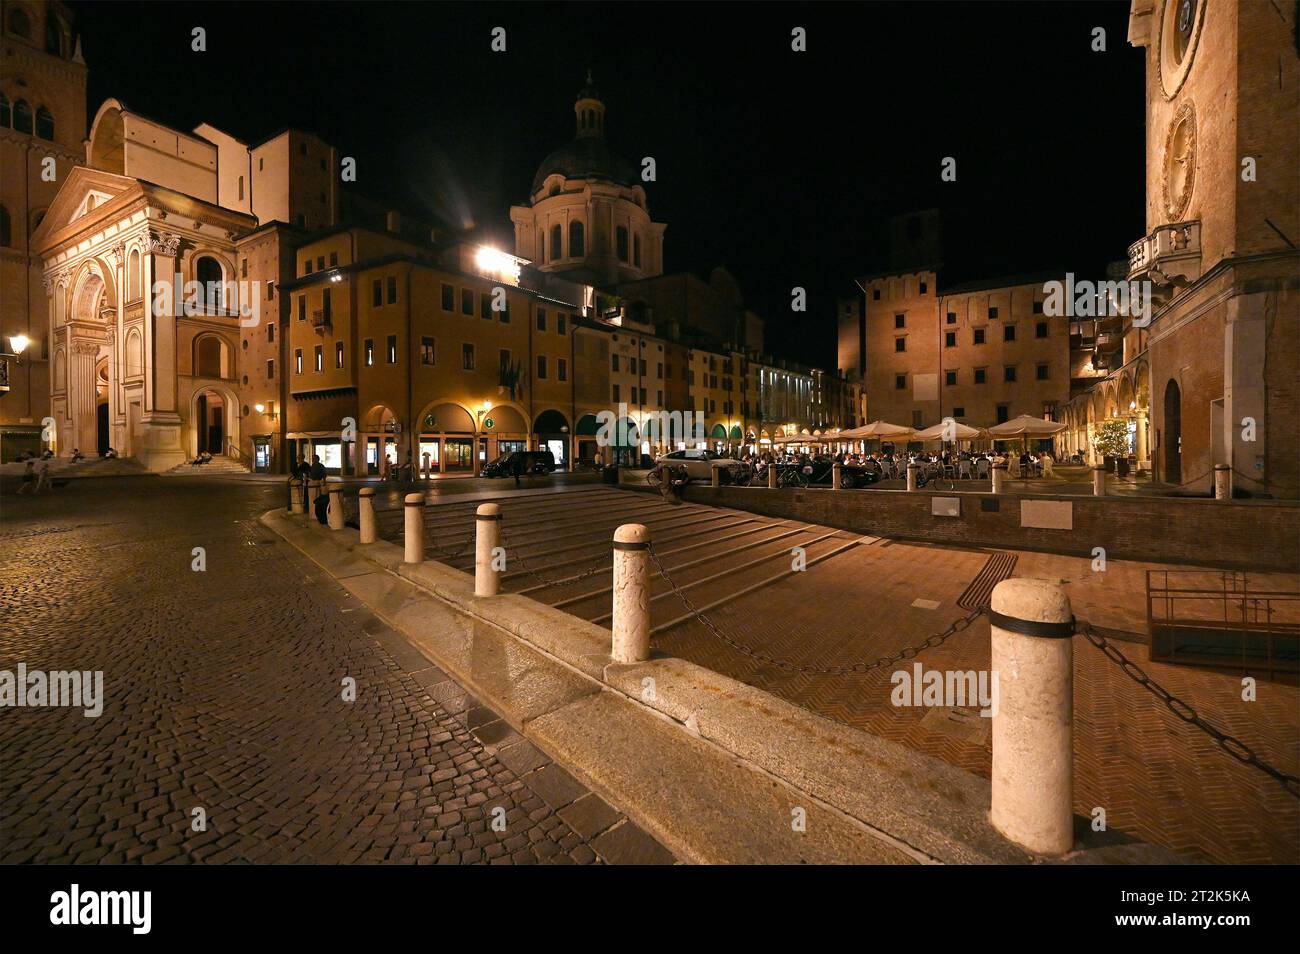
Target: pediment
x=81 y=197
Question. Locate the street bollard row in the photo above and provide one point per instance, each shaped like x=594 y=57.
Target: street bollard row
x=1032 y=663
x=1099 y=480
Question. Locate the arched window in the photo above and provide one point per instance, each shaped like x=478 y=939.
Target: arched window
x=576 y=245
x=6 y=228
x=557 y=239
x=23 y=117
x=207 y=272
x=20 y=24
x=6 y=112
x=53 y=38
x=207 y=357
x=133 y=275
x=44 y=124
x=636 y=250
x=541 y=247
x=620 y=243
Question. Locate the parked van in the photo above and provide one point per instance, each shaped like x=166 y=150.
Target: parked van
x=523 y=462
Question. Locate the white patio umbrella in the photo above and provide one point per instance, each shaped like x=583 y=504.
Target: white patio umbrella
x=1025 y=426
x=881 y=430
x=960 y=432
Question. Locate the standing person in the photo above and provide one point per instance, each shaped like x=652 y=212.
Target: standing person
x=29 y=478
x=424 y=465
x=409 y=466
x=517 y=466
x=301 y=471
x=43 y=482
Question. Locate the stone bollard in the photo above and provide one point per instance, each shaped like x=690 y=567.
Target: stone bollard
x=335 y=513
x=771 y=476
x=414 y=507
x=487 y=537
x=999 y=475
x=1222 y=482
x=1033 y=722
x=1099 y=480
x=835 y=476
x=313 y=491
x=716 y=475
x=295 y=491
x=631 y=620
x=366 y=506
x=913 y=469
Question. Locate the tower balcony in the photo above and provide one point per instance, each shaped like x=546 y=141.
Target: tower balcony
x=1170 y=257
x=321 y=322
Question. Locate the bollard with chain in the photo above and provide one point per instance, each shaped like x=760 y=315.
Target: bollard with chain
x=414 y=507
x=296 y=494
x=913 y=469
x=1222 y=482
x=835 y=476
x=631 y=616
x=487 y=524
x=366 y=514
x=771 y=475
x=1033 y=726
x=335 y=514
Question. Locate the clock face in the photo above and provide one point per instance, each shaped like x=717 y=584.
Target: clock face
x=1184 y=22
x=1180 y=28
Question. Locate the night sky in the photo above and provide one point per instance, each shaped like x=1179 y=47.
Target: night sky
x=783 y=167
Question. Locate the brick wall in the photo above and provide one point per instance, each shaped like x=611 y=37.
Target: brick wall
x=1253 y=535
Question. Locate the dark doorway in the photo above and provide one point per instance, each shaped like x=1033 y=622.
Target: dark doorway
x=101 y=428
x=209 y=417
x=1173 y=436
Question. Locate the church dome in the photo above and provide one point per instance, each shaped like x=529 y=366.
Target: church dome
x=587 y=157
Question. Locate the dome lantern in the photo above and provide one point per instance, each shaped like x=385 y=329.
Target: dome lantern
x=589 y=111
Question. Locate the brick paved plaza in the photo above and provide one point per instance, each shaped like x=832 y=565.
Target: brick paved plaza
x=1158 y=779
x=223 y=692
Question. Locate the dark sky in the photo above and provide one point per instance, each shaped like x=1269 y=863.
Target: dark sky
x=781 y=166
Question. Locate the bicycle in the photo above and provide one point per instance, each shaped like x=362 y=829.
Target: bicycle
x=794 y=477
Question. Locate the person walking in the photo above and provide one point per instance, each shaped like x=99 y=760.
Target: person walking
x=43 y=481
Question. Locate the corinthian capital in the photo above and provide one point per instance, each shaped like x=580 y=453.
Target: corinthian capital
x=164 y=243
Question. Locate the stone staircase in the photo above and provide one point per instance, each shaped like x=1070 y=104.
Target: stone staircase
x=218 y=466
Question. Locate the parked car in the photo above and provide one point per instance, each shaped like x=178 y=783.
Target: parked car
x=526 y=462
x=699 y=463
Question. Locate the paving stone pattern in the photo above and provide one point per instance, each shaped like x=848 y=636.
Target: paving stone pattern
x=223 y=691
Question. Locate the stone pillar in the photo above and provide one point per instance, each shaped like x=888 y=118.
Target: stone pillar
x=999 y=474
x=913 y=469
x=1099 y=480
x=835 y=476
x=313 y=489
x=631 y=619
x=366 y=509
x=335 y=513
x=82 y=398
x=487 y=525
x=1033 y=723
x=715 y=475
x=1222 y=482
x=771 y=475
x=295 y=495
x=414 y=507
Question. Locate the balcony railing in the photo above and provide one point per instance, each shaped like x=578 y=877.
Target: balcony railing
x=1109 y=341
x=321 y=321
x=1170 y=251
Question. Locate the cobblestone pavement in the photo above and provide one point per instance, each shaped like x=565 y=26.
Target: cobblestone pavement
x=223 y=692
x=1157 y=778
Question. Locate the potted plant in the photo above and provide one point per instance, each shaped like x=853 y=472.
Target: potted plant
x=1111 y=441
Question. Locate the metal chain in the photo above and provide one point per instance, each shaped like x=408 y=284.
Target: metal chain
x=1238 y=749
x=956 y=626
x=512 y=553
